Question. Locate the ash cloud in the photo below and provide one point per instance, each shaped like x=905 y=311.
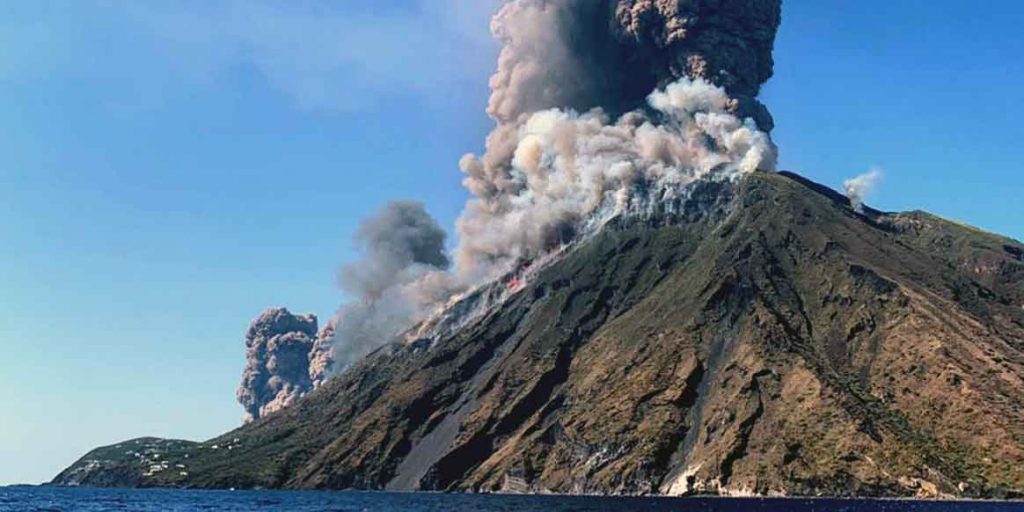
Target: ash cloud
x=726 y=42
x=580 y=54
x=276 y=372
x=400 y=275
x=398 y=244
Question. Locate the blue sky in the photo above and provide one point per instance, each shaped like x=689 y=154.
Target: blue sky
x=166 y=174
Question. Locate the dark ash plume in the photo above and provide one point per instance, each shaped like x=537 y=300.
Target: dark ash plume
x=277 y=362
x=579 y=131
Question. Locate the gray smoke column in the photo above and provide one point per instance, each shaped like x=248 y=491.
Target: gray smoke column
x=401 y=274
x=276 y=373
x=725 y=42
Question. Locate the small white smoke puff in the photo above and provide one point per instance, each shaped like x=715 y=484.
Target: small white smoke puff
x=860 y=187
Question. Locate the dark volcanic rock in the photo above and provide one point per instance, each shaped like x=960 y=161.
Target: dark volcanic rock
x=278 y=346
x=765 y=338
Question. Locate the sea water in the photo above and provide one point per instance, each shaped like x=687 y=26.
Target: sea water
x=49 y=499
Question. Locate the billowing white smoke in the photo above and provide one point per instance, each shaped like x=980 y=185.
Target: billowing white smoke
x=860 y=187
x=535 y=65
x=569 y=171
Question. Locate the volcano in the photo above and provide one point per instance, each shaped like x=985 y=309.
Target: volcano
x=762 y=337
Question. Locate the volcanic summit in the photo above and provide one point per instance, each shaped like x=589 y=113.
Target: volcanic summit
x=639 y=304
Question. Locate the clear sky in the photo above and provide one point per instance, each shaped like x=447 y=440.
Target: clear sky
x=168 y=170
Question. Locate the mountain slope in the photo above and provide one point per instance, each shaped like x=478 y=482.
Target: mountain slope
x=763 y=338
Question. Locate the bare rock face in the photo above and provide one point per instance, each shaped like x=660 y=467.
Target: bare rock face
x=727 y=42
x=278 y=346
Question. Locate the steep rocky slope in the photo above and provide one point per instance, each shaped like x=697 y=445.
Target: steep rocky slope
x=760 y=337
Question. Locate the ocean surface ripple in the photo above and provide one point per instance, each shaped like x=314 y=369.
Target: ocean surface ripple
x=49 y=499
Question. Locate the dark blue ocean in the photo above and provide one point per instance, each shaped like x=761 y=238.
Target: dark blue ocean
x=97 y=500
